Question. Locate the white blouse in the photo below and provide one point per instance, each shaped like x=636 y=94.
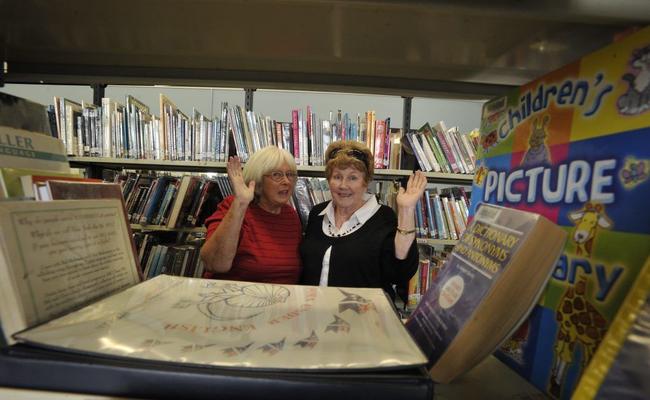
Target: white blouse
x=356 y=221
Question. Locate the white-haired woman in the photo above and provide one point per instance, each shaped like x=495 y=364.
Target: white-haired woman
x=254 y=235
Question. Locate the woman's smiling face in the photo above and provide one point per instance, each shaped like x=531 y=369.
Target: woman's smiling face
x=348 y=187
x=276 y=194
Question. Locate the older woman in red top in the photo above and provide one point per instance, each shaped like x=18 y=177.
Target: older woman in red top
x=254 y=235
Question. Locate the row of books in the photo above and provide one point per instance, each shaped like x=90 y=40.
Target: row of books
x=307 y=193
x=130 y=130
x=172 y=201
x=169 y=259
x=440 y=149
x=431 y=262
x=444 y=215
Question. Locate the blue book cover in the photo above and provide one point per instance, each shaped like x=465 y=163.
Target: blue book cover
x=499 y=241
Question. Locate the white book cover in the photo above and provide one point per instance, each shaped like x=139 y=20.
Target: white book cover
x=429 y=154
x=24 y=149
x=240 y=325
x=417 y=147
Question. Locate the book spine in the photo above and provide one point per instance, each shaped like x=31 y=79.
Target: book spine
x=387 y=144
x=428 y=152
x=456 y=151
x=380 y=132
x=470 y=150
x=458 y=215
x=447 y=151
x=278 y=135
x=433 y=231
x=296 y=136
x=371 y=129
x=413 y=296
x=419 y=152
x=467 y=162
x=420 y=229
x=443 y=230
x=165 y=213
x=440 y=155
x=424 y=276
x=450 y=219
x=309 y=135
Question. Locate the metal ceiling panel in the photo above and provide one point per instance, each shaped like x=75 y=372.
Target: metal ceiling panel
x=410 y=47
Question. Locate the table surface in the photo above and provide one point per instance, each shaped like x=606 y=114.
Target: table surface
x=491 y=379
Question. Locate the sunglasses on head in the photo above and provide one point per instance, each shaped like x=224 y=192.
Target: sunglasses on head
x=354 y=153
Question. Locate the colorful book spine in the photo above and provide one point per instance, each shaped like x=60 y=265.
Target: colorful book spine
x=433 y=231
x=446 y=148
x=443 y=231
x=296 y=136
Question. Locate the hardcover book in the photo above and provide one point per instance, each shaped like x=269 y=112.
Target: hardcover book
x=11 y=181
x=238 y=325
x=71 y=288
x=468 y=311
x=20 y=148
x=34 y=184
x=67 y=271
x=573 y=146
x=60 y=255
x=23 y=114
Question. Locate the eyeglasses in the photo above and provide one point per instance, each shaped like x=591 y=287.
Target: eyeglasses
x=277 y=176
x=354 y=153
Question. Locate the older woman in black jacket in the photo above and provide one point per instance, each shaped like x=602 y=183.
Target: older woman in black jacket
x=352 y=241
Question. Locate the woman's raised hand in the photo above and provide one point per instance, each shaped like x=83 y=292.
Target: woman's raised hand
x=414 y=190
x=243 y=193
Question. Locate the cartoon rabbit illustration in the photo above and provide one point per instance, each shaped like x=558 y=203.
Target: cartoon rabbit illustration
x=538 y=153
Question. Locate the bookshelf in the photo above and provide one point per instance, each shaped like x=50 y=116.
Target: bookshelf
x=156 y=228
x=95 y=165
x=383 y=47
x=437 y=242
x=208 y=166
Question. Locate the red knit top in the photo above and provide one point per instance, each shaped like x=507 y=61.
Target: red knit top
x=268 y=245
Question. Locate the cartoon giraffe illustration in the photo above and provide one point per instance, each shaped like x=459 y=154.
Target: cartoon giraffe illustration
x=587 y=221
x=579 y=322
x=537 y=153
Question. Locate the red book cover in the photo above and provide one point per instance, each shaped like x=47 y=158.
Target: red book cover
x=296 y=136
x=449 y=154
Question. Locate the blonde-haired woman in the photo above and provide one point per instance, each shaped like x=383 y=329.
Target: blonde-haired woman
x=254 y=235
x=352 y=241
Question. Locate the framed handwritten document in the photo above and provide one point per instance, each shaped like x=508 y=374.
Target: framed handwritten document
x=58 y=256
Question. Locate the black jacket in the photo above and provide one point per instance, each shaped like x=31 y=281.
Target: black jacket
x=364 y=258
